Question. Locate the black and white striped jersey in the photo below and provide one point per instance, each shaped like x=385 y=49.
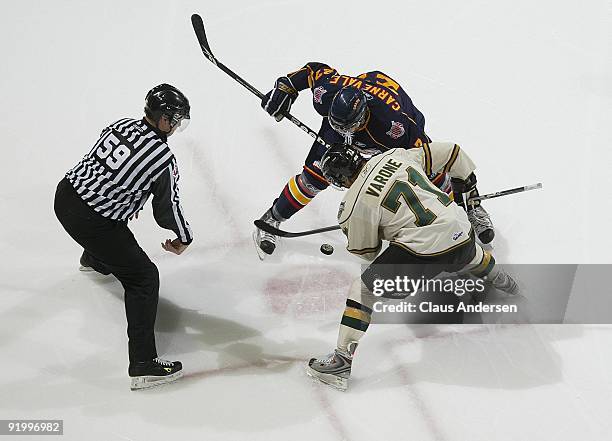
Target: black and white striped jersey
x=129 y=162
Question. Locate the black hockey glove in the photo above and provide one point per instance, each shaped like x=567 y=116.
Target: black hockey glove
x=463 y=190
x=279 y=100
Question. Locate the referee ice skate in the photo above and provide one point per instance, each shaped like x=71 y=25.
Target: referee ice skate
x=109 y=186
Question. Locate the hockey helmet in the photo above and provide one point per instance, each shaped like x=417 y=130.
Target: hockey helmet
x=340 y=164
x=348 y=111
x=166 y=100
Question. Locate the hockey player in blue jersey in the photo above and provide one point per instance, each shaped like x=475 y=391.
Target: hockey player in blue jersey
x=371 y=112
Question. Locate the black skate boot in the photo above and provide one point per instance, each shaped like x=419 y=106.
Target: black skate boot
x=146 y=374
x=89 y=264
x=85 y=263
x=334 y=369
x=266 y=242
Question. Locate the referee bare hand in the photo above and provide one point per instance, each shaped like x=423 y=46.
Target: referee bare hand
x=174 y=246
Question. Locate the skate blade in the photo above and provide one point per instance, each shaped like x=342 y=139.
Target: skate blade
x=260 y=253
x=86 y=269
x=334 y=381
x=149 y=381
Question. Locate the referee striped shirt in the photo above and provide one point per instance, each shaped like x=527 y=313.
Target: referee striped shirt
x=129 y=162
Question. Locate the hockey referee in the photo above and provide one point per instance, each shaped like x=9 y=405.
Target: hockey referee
x=109 y=186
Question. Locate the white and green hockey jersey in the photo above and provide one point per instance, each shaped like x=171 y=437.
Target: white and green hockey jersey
x=392 y=199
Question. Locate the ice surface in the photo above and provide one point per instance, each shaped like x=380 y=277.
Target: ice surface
x=523 y=86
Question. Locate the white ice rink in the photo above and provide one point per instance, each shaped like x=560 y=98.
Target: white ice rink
x=525 y=87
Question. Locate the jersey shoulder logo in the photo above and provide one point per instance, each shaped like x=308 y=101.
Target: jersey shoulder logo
x=318 y=93
x=397 y=130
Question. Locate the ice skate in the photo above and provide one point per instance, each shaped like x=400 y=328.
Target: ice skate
x=84 y=263
x=88 y=264
x=333 y=370
x=153 y=373
x=481 y=222
x=503 y=281
x=265 y=243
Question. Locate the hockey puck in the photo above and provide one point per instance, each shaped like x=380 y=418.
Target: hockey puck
x=327 y=249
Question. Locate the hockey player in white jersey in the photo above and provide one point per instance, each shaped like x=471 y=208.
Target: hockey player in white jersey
x=391 y=199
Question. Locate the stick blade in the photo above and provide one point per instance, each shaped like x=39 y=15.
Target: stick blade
x=280 y=233
x=198 y=27
x=534 y=186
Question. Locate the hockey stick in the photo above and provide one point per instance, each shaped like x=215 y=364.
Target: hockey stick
x=507 y=192
x=280 y=233
x=198 y=27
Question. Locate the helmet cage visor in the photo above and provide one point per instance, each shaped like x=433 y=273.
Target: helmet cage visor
x=179 y=121
x=347 y=129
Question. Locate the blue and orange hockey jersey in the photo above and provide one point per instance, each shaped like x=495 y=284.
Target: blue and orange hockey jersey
x=394 y=121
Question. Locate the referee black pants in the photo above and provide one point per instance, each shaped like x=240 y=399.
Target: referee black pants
x=114 y=250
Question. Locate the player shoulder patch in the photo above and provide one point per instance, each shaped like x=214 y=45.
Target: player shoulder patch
x=317 y=94
x=397 y=130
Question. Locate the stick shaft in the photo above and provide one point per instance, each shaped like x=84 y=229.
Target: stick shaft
x=281 y=233
x=198 y=27
x=507 y=192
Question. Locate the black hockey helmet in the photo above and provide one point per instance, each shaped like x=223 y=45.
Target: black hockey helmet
x=166 y=100
x=348 y=110
x=340 y=164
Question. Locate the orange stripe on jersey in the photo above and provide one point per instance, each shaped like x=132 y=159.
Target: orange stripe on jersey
x=438 y=178
x=315 y=174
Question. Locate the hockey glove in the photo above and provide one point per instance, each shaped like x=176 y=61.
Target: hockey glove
x=463 y=190
x=278 y=101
